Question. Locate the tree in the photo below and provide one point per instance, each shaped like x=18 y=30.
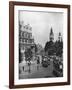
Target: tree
x=46 y=46
x=49 y=48
x=36 y=49
x=28 y=54
x=28 y=57
x=59 y=48
x=20 y=56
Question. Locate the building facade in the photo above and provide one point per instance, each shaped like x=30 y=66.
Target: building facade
x=26 y=39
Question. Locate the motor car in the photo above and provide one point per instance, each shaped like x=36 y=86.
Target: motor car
x=58 y=67
x=45 y=61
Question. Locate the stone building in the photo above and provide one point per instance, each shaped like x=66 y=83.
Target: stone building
x=49 y=46
x=54 y=47
x=26 y=39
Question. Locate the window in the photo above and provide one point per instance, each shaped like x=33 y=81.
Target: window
x=22 y=34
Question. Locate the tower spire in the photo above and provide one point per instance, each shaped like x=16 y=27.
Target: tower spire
x=51 y=35
x=60 y=37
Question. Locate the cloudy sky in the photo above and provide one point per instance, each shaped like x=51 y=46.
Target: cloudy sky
x=41 y=23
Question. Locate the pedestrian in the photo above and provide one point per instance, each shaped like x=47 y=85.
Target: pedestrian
x=29 y=63
x=38 y=62
x=23 y=68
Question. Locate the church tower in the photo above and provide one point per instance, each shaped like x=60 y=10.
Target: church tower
x=51 y=37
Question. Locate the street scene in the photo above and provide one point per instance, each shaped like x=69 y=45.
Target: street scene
x=37 y=71
x=40 y=50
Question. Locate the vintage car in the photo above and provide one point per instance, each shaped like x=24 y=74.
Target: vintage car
x=58 y=67
x=45 y=61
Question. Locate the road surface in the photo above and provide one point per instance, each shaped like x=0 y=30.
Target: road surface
x=36 y=71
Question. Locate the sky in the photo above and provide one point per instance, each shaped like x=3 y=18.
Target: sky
x=41 y=23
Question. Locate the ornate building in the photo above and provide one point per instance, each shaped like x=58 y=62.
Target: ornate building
x=26 y=39
x=49 y=46
x=54 y=47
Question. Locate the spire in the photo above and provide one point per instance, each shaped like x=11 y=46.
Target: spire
x=59 y=37
x=51 y=35
x=59 y=34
